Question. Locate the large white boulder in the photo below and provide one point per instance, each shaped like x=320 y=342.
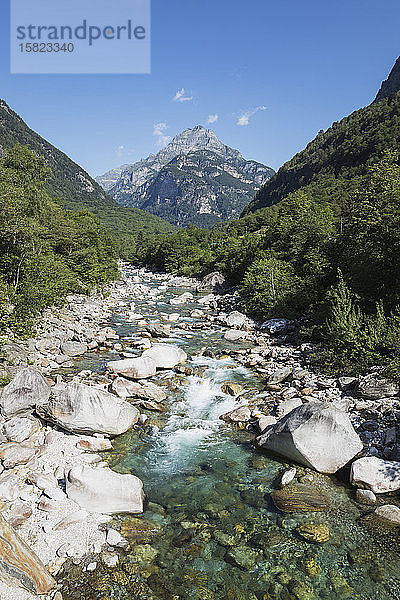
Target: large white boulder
x=376 y=474
x=133 y=368
x=165 y=356
x=236 y=319
x=316 y=435
x=104 y=491
x=82 y=408
x=21 y=395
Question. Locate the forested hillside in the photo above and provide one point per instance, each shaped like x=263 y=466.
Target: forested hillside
x=70 y=185
x=45 y=250
x=333 y=162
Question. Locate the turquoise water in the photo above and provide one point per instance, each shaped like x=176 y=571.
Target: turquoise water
x=210 y=530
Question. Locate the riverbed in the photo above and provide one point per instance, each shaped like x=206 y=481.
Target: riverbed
x=210 y=529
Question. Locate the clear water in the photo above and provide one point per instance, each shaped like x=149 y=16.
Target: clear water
x=212 y=530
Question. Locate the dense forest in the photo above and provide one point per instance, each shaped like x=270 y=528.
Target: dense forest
x=46 y=251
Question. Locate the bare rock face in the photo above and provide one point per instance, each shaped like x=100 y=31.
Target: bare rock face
x=81 y=408
x=104 y=491
x=165 y=356
x=391 y=85
x=375 y=474
x=316 y=435
x=19 y=565
x=133 y=368
x=21 y=395
x=213 y=282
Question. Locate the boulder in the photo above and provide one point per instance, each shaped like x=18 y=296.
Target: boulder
x=288 y=476
x=133 y=368
x=104 y=491
x=13 y=454
x=165 y=356
x=365 y=496
x=287 y=406
x=19 y=565
x=233 y=335
x=231 y=388
x=19 y=429
x=74 y=348
x=375 y=386
x=21 y=395
x=266 y=421
x=236 y=319
x=81 y=408
x=375 y=474
x=131 y=389
x=389 y=513
x=314 y=532
x=213 y=282
x=316 y=435
x=238 y=415
x=300 y=498
x=280 y=375
x=273 y=326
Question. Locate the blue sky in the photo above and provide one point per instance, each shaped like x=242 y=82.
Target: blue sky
x=303 y=64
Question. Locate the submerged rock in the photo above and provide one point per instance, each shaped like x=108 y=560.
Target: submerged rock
x=81 y=408
x=104 y=491
x=231 y=388
x=317 y=533
x=316 y=435
x=375 y=474
x=300 y=498
x=19 y=565
x=243 y=557
x=21 y=395
x=165 y=356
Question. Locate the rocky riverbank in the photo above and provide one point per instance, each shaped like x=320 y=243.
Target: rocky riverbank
x=58 y=415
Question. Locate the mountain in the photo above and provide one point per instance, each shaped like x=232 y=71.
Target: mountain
x=194 y=179
x=391 y=85
x=333 y=163
x=74 y=188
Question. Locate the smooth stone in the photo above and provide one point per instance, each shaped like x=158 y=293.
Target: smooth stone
x=266 y=421
x=373 y=473
x=280 y=375
x=115 y=539
x=24 y=392
x=233 y=335
x=300 y=498
x=19 y=429
x=165 y=356
x=125 y=388
x=389 y=512
x=74 y=348
x=133 y=368
x=317 y=533
x=80 y=408
x=104 y=491
x=287 y=406
x=316 y=435
x=19 y=565
x=236 y=319
x=288 y=476
x=366 y=496
x=240 y=414
x=13 y=454
x=231 y=388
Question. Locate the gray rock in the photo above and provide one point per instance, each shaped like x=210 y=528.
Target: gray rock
x=81 y=408
x=375 y=386
x=165 y=356
x=233 y=335
x=104 y=491
x=280 y=375
x=347 y=383
x=240 y=414
x=19 y=429
x=236 y=319
x=115 y=539
x=288 y=476
x=274 y=326
x=316 y=435
x=125 y=388
x=389 y=513
x=287 y=406
x=373 y=473
x=24 y=392
x=366 y=496
x=74 y=348
x=134 y=368
x=213 y=282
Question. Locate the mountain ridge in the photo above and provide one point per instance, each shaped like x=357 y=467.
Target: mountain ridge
x=144 y=184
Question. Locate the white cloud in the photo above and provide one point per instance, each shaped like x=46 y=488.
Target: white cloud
x=120 y=150
x=244 y=118
x=159 y=132
x=180 y=96
x=212 y=119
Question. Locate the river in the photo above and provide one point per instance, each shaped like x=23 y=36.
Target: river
x=210 y=530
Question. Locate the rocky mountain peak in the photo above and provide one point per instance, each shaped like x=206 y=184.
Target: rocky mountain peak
x=391 y=85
